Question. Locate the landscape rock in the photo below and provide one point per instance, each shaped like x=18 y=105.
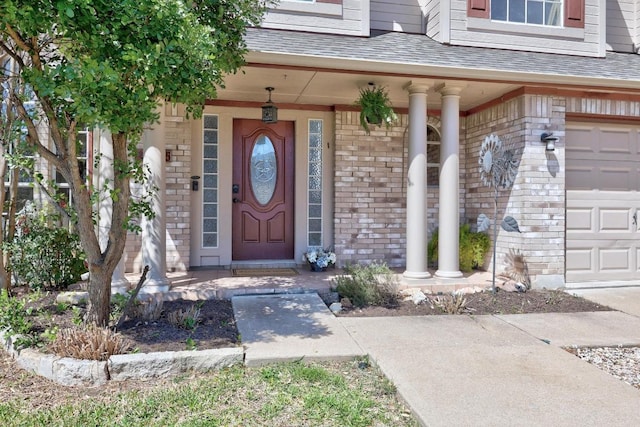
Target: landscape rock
x=336 y=307
x=418 y=298
x=162 y=364
x=507 y=285
x=330 y=297
x=346 y=303
x=73 y=298
x=68 y=371
x=469 y=290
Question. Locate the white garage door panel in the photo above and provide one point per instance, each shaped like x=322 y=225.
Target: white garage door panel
x=602 y=239
x=602 y=182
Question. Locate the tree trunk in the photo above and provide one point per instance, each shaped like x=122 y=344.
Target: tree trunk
x=99 y=296
x=5 y=281
x=102 y=263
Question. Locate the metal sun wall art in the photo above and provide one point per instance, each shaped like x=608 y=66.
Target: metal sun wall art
x=498 y=170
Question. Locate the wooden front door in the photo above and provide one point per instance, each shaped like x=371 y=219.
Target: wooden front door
x=263 y=173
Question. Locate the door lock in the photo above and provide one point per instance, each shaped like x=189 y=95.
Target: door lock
x=236 y=200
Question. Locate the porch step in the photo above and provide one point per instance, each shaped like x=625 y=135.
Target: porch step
x=265 y=263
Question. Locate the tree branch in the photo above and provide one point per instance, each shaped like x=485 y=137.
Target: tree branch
x=134 y=295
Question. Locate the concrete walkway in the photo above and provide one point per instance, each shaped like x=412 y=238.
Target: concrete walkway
x=290 y=327
x=507 y=370
x=625 y=299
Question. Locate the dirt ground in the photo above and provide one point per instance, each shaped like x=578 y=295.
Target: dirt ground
x=217 y=328
x=502 y=302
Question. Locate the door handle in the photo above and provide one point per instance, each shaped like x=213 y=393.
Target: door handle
x=635 y=219
x=236 y=200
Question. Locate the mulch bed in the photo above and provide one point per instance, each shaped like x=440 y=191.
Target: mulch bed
x=502 y=302
x=216 y=327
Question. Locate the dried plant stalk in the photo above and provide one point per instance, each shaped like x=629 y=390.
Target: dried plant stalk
x=149 y=310
x=187 y=319
x=450 y=304
x=90 y=343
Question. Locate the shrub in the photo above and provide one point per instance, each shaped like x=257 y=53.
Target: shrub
x=43 y=255
x=372 y=284
x=473 y=248
x=14 y=318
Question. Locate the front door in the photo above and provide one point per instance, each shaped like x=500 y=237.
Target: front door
x=263 y=172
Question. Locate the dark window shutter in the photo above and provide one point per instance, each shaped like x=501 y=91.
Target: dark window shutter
x=478 y=8
x=574 y=13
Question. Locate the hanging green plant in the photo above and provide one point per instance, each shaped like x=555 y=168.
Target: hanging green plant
x=375 y=107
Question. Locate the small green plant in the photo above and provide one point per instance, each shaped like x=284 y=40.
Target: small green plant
x=373 y=284
x=473 y=248
x=14 y=315
x=191 y=344
x=61 y=307
x=375 y=107
x=44 y=254
x=50 y=334
x=555 y=297
x=78 y=315
x=186 y=319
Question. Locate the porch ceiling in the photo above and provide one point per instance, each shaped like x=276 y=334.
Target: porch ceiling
x=329 y=69
x=301 y=86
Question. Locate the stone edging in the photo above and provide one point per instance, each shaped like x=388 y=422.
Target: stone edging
x=68 y=371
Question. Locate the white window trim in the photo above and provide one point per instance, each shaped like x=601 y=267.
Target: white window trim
x=522 y=29
x=314 y=8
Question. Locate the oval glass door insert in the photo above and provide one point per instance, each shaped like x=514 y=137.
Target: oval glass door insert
x=264 y=169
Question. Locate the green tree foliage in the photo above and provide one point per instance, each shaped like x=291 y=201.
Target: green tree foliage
x=108 y=63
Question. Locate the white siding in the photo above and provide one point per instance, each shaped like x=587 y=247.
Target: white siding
x=398 y=15
x=432 y=17
x=571 y=41
x=622 y=21
x=349 y=18
x=637 y=32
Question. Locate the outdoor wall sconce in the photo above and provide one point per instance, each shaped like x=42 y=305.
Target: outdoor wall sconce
x=549 y=140
x=269 y=109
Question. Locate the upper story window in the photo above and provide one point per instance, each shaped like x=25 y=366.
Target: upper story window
x=539 y=12
x=556 y=13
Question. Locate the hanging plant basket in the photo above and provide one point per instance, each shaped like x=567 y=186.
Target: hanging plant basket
x=375 y=107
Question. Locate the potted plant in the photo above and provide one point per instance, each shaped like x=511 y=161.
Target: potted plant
x=319 y=259
x=375 y=107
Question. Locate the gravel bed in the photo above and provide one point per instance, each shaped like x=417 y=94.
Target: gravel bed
x=621 y=362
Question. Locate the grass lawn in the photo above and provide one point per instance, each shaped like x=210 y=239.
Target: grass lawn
x=291 y=394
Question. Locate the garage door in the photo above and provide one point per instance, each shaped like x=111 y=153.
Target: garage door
x=602 y=202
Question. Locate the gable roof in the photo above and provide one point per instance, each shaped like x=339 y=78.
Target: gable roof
x=416 y=54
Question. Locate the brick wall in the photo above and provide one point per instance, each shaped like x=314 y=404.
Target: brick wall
x=536 y=200
x=178 y=193
x=370 y=191
x=177 y=199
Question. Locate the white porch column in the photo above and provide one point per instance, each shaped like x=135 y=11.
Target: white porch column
x=449 y=213
x=154 y=239
x=119 y=283
x=417 y=183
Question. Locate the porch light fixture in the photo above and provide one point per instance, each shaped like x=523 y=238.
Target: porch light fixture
x=549 y=140
x=269 y=109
